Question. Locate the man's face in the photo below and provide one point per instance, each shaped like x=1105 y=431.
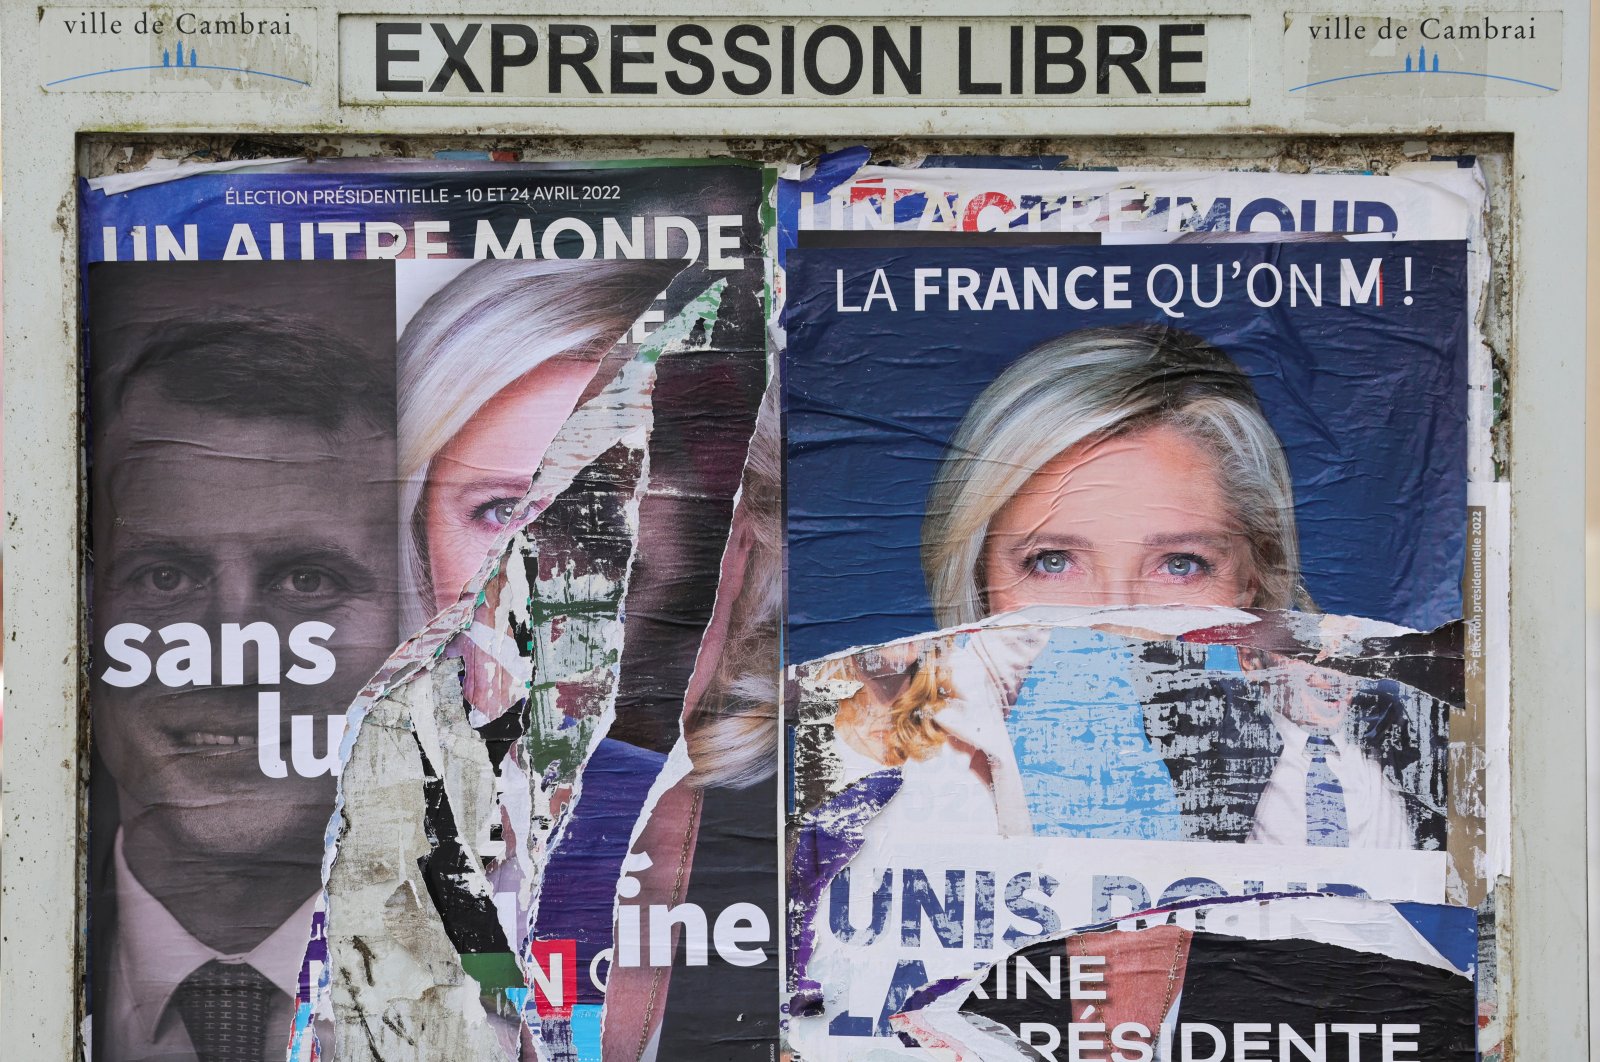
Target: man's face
x=203 y=518
x=1302 y=692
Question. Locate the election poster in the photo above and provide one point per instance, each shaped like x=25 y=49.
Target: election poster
x=1125 y=576
x=845 y=198
x=540 y=611
x=435 y=554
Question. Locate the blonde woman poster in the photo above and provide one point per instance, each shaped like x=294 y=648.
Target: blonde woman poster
x=1192 y=519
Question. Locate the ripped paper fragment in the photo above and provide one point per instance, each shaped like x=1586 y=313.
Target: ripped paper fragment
x=1054 y=768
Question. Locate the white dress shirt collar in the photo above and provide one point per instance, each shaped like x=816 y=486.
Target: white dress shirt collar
x=153 y=953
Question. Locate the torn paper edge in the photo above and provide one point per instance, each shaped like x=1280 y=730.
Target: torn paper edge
x=1338 y=634
x=419 y=653
x=680 y=765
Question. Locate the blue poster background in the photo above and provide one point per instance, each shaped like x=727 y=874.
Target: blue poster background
x=1370 y=402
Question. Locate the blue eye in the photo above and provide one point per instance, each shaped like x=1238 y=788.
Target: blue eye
x=1049 y=562
x=1185 y=565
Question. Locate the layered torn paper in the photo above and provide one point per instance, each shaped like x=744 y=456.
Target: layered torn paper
x=556 y=829
x=538 y=634
x=376 y=363
x=1075 y=767
x=1012 y=424
x=846 y=199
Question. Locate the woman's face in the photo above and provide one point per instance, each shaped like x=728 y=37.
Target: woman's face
x=1138 y=519
x=477 y=479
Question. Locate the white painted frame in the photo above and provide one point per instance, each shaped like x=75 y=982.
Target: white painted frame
x=1544 y=924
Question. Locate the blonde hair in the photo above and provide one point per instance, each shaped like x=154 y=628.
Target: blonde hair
x=911 y=732
x=487 y=328
x=732 y=728
x=1095 y=384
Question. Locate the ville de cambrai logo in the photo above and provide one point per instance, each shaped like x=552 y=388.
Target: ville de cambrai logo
x=1422 y=60
x=182 y=59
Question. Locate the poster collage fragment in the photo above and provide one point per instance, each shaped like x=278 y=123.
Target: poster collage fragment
x=686 y=609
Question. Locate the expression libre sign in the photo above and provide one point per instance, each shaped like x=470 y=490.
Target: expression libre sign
x=400 y=59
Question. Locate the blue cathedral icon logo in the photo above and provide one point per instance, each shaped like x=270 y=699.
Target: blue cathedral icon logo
x=166 y=57
x=1422 y=61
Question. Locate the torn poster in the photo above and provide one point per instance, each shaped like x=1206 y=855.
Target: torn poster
x=529 y=711
x=491 y=504
x=1069 y=766
x=1278 y=977
x=934 y=389
x=843 y=199
x=977 y=433
x=843 y=191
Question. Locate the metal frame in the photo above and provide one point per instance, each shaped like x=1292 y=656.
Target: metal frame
x=1544 y=909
